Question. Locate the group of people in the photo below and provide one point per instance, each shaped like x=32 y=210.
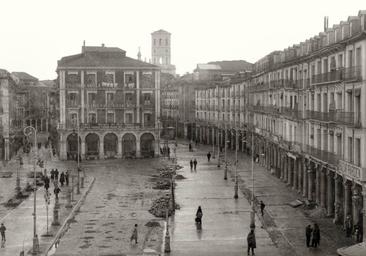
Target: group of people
x=312 y=236
x=165 y=151
x=56 y=178
x=193 y=164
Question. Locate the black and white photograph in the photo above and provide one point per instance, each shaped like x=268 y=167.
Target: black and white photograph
x=182 y=128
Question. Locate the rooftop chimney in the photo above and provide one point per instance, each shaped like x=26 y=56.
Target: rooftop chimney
x=103 y=45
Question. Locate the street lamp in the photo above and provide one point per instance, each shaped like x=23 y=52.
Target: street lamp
x=78 y=159
x=27 y=132
x=226 y=142
x=218 y=147
x=236 y=187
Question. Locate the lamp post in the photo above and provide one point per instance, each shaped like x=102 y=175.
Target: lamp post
x=252 y=213
x=236 y=187
x=218 y=147
x=78 y=155
x=226 y=142
x=27 y=132
x=213 y=142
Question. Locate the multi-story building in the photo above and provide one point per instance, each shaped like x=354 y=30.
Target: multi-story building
x=304 y=107
x=113 y=99
x=25 y=101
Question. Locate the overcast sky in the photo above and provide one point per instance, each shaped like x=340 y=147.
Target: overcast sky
x=37 y=33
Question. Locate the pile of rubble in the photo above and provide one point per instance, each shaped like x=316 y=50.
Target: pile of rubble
x=160 y=205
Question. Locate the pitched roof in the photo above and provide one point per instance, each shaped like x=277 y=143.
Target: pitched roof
x=208 y=67
x=96 y=56
x=233 y=65
x=24 y=76
x=160 y=31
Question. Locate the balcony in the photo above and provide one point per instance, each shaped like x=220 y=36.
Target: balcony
x=352 y=171
x=338 y=75
x=322 y=155
x=340 y=117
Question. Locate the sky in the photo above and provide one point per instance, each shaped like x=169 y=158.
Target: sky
x=37 y=33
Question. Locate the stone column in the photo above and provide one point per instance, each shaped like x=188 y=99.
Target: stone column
x=330 y=193
x=299 y=176
x=356 y=203
x=364 y=212
x=138 y=149
x=82 y=149
x=337 y=199
x=317 y=184
x=289 y=171
x=295 y=174
x=119 y=147
x=311 y=174
x=347 y=198
x=304 y=179
x=322 y=188
x=101 y=148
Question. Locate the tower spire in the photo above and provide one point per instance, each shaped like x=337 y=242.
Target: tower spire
x=139 y=54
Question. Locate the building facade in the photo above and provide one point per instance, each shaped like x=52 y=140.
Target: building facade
x=304 y=108
x=25 y=101
x=112 y=100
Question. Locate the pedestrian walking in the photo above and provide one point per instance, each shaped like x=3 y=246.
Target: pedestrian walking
x=251 y=242
x=316 y=236
x=62 y=179
x=134 y=234
x=56 y=174
x=2 y=231
x=168 y=151
x=191 y=164
x=46 y=183
x=308 y=233
x=199 y=215
x=67 y=177
x=348 y=226
x=52 y=174
x=208 y=156
x=190 y=147
x=56 y=191
x=262 y=205
x=195 y=164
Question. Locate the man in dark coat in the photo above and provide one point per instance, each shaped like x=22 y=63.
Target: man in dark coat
x=262 y=205
x=195 y=164
x=56 y=174
x=208 y=156
x=191 y=164
x=251 y=242
x=316 y=236
x=67 y=177
x=308 y=232
x=46 y=183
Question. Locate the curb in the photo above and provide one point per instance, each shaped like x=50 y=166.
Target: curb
x=65 y=224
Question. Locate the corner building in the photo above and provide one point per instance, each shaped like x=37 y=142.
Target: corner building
x=114 y=102
x=305 y=108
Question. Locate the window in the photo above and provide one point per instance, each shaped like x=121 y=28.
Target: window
x=166 y=41
x=128 y=99
x=91 y=80
x=110 y=98
x=340 y=61
x=160 y=41
x=110 y=117
x=92 y=98
x=129 y=118
x=130 y=80
x=72 y=99
x=350 y=150
x=108 y=79
x=147 y=99
x=154 y=41
x=92 y=118
x=147 y=118
x=73 y=118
